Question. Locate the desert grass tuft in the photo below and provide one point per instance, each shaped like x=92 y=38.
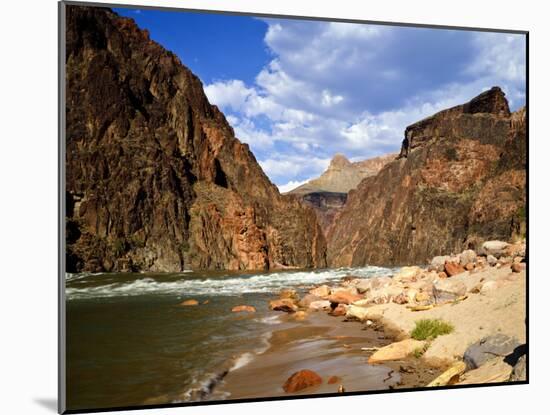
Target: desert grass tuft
x=428 y=329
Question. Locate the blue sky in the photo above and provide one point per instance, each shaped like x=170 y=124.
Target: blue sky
x=300 y=91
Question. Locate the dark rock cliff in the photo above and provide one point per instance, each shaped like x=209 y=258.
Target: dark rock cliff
x=156 y=179
x=463 y=182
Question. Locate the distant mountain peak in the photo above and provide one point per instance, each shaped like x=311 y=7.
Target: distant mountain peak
x=339 y=161
x=343 y=175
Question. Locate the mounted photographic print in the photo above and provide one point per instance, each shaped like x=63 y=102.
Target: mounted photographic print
x=259 y=207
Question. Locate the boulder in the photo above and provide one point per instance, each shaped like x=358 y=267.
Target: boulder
x=498 y=345
x=396 y=351
x=319 y=305
x=519 y=373
x=382 y=295
x=189 y=303
x=488 y=286
x=453 y=268
x=307 y=300
x=442 y=275
x=300 y=315
x=410 y=294
x=517 y=249
x=408 y=274
x=492 y=371
x=518 y=267
x=468 y=256
x=438 y=262
x=243 y=308
x=448 y=289
x=495 y=248
x=288 y=293
x=339 y=311
x=491 y=260
x=285 y=304
x=323 y=291
x=356 y=312
x=400 y=299
x=343 y=297
x=422 y=297
x=470 y=266
x=381 y=282
x=301 y=380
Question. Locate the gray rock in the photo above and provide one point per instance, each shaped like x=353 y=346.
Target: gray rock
x=468 y=256
x=438 y=262
x=520 y=370
x=495 y=248
x=491 y=260
x=498 y=345
x=448 y=289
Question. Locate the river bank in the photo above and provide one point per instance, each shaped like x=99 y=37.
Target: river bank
x=132 y=339
x=359 y=334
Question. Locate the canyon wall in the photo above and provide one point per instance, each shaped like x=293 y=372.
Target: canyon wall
x=155 y=178
x=463 y=182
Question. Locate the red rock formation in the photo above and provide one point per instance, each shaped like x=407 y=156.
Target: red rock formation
x=156 y=179
x=463 y=182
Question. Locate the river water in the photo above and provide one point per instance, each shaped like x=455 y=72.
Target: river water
x=129 y=342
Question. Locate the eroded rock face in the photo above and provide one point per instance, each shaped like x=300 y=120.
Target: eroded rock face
x=327 y=194
x=156 y=179
x=462 y=183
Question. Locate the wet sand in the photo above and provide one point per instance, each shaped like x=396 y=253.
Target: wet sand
x=330 y=347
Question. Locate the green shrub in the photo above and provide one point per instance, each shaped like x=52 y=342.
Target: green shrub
x=430 y=329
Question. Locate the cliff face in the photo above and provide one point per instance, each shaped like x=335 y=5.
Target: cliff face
x=463 y=182
x=328 y=193
x=156 y=179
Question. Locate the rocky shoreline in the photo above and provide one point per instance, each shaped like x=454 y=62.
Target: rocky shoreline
x=459 y=320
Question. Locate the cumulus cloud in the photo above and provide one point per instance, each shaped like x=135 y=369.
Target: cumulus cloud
x=351 y=88
x=281 y=166
x=291 y=185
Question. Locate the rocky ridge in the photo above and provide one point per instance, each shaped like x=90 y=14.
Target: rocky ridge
x=462 y=182
x=343 y=175
x=155 y=178
x=327 y=194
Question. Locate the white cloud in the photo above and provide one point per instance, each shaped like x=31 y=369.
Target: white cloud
x=500 y=55
x=329 y=100
x=340 y=87
x=291 y=185
x=280 y=167
x=230 y=94
x=247 y=132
